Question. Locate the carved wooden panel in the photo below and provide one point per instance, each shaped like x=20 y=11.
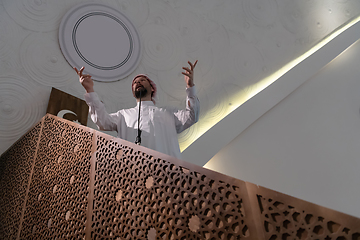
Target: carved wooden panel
x=58 y=194
x=285 y=217
x=15 y=173
x=139 y=196
x=65 y=181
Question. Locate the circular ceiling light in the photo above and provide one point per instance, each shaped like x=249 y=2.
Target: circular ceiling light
x=101 y=39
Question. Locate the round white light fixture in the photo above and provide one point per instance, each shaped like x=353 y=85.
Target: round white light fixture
x=101 y=39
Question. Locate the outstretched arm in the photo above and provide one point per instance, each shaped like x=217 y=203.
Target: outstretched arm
x=98 y=113
x=85 y=80
x=187 y=117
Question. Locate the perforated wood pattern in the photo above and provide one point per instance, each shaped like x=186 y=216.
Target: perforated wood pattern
x=58 y=194
x=15 y=175
x=284 y=217
x=138 y=196
x=65 y=181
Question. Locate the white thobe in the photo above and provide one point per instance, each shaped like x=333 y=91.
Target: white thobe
x=159 y=126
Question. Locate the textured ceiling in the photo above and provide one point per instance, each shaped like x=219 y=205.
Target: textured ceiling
x=237 y=43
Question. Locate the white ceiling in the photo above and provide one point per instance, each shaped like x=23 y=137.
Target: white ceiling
x=237 y=42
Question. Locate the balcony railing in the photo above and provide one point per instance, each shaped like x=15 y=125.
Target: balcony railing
x=62 y=180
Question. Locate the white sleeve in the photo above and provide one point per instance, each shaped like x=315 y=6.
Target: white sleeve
x=99 y=115
x=190 y=115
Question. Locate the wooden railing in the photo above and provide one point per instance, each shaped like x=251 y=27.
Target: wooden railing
x=62 y=180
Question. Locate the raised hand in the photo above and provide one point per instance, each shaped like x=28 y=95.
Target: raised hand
x=189 y=74
x=85 y=80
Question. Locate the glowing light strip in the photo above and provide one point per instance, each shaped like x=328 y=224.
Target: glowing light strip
x=264 y=83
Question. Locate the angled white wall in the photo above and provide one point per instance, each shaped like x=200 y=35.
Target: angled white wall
x=308 y=145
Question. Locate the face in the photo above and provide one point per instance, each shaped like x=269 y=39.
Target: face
x=141 y=85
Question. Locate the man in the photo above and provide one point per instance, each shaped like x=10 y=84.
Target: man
x=159 y=126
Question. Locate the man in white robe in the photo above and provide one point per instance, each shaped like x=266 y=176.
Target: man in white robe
x=159 y=126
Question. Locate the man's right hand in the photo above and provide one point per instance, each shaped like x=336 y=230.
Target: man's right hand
x=85 y=80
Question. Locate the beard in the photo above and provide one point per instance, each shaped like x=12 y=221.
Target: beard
x=140 y=92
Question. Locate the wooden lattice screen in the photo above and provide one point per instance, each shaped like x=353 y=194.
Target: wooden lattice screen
x=62 y=180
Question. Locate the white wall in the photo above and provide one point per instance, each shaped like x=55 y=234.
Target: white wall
x=308 y=145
